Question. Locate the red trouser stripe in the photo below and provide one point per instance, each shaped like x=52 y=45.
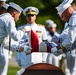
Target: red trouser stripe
x=34 y=42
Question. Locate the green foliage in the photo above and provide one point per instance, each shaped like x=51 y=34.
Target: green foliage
x=12 y=70
x=46 y=10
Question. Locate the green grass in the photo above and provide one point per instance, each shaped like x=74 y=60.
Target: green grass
x=12 y=70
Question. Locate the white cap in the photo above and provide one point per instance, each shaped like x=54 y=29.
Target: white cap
x=63 y=6
x=30 y=10
x=15 y=6
x=5 y=6
x=3 y=0
x=50 y=23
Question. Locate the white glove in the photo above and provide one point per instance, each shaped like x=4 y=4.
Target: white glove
x=28 y=28
x=24 y=47
x=55 y=51
x=58 y=52
x=27 y=50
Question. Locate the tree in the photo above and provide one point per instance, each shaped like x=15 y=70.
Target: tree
x=46 y=10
